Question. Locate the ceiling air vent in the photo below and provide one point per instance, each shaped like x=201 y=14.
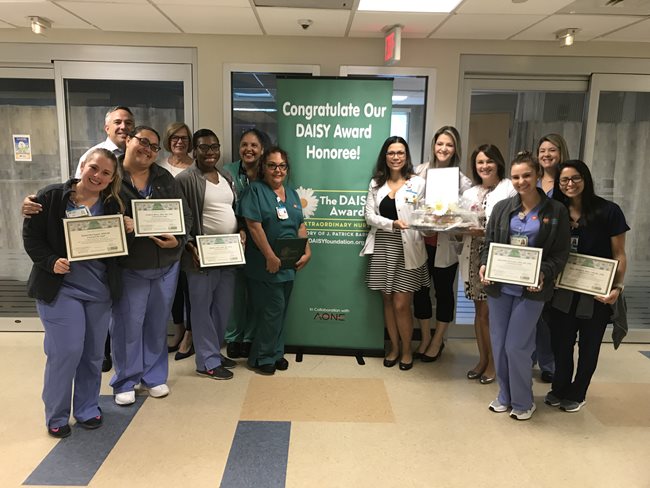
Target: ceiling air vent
x=323 y=4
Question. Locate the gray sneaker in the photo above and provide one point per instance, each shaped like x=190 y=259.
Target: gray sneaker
x=571 y=406
x=552 y=400
x=523 y=414
x=218 y=373
x=497 y=407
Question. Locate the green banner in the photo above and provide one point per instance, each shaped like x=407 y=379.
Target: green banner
x=333 y=130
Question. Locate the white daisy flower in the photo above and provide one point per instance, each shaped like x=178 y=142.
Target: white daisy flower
x=308 y=201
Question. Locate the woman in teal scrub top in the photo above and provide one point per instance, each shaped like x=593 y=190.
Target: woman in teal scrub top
x=272 y=211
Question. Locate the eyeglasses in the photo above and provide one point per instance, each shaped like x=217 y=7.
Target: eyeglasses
x=144 y=142
x=273 y=166
x=206 y=147
x=392 y=154
x=179 y=139
x=575 y=179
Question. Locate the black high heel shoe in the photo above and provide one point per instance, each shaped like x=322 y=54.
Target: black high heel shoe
x=182 y=355
x=430 y=359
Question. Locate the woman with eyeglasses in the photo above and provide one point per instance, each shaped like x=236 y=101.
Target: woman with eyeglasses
x=178 y=143
x=73 y=299
x=551 y=151
x=149 y=276
x=528 y=219
x=211 y=197
x=397 y=264
x=442 y=260
x=598 y=228
x=239 y=334
x=272 y=211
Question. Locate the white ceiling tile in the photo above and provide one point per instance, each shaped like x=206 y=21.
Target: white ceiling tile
x=17 y=12
x=601 y=7
x=635 y=33
x=133 y=17
x=539 y=7
x=205 y=3
x=214 y=20
x=484 y=26
x=590 y=26
x=370 y=24
x=284 y=21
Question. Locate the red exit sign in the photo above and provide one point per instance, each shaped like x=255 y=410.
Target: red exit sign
x=393 y=45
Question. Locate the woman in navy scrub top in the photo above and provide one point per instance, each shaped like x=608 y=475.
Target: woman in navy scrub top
x=73 y=299
x=529 y=219
x=272 y=211
x=598 y=228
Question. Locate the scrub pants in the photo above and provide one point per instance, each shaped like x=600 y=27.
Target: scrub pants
x=513 y=323
x=269 y=302
x=240 y=327
x=211 y=295
x=139 y=327
x=543 y=354
x=564 y=331
x=75 y=333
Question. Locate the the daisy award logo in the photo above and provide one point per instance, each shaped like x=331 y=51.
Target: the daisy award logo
x=308 y=201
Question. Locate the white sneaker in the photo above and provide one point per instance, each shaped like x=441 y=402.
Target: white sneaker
x=159 y=391
x=125 y=398
x=523 y=414
x=497 y=407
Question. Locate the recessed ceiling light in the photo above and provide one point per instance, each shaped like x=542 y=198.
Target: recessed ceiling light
x=428 y=6
x=399 y=98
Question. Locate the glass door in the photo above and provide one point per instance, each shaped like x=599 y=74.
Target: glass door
x=617 y=144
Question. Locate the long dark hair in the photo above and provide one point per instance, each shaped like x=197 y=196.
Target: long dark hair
x=492 y=152
x=591 y=203
x=381 y=172
x=262 y=161
x=452 y=132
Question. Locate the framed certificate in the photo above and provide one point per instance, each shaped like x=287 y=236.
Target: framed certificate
x=220 y=250
x=517 y=265
x=95 y=237
x=588 y=274
x=157 y=217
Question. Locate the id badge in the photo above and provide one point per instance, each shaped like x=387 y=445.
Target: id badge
x=519 y=241
x=282 y=213
x=411 y=197
x=574 y=243
x=78 y=212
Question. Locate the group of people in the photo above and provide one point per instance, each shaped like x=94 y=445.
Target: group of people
x=548 y=202
x=132 y=296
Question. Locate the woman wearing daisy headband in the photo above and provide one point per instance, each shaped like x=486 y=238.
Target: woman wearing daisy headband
x=397 y=265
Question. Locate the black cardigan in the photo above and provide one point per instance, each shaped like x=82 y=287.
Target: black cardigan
x=44 y=241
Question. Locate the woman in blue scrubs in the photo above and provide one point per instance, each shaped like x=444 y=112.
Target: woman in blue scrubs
x=529 y=219
x=73 y=299
x=149 y=276
x=272 y=211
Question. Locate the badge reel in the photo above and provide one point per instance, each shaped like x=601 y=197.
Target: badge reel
x=281 y=210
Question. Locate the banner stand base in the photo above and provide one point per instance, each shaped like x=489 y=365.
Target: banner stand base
x=359 y=354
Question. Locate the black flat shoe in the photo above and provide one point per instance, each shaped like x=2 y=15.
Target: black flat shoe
x=265 y=369
x=107 y=364
x=233 y=350
x=282 y=364
x=389 y=363
x=183 y=355
x=245 y=349
x=405 y=366
x=474 y=375
x=59 y=432
x=486 y=380
x=431 y=359
x=547 y=377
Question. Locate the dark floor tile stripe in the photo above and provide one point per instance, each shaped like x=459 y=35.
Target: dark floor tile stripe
x=75 y=459
x=258 y=455
x=645 y=353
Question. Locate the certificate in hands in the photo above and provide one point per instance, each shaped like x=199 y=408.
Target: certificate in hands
x=517 y=265
x=154 y=217
x=588 y=274
x=220 y=250
x=95 y=237
x=289 y=250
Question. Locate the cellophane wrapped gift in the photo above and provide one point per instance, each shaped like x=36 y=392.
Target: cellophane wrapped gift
x=447 y=217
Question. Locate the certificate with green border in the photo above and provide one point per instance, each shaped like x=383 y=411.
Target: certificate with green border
x=516 y=265
x=95 y=237
x=220 y=250
x=588 y=274
x=154 y=217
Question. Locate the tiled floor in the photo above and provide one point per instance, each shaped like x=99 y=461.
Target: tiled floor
x=338 y=424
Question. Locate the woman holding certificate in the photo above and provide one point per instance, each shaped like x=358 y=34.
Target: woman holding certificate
x=492 y=186
x=149 y=272
x=397 y=265
x=442 y=261
x=211 y=197
x=272 y=212
x=529 y=224
x=73 y=298
x=598 y=230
